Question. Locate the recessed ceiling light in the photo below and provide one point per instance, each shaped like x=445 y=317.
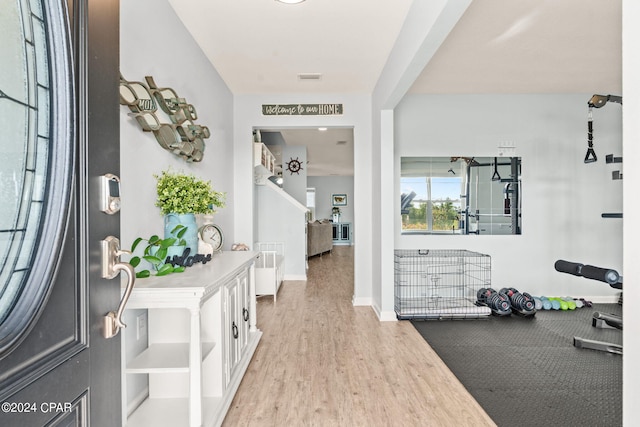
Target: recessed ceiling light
x=322 y=129
x=290 y=1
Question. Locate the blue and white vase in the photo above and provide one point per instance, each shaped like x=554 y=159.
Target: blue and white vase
x=190 y=236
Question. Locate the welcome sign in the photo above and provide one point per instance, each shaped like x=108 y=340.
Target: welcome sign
x=301 y=109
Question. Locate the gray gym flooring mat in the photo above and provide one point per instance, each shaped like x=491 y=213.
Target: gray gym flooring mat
x=525 y=371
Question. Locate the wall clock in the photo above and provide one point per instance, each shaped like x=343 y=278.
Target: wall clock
x=212 y=235
x=294 y=166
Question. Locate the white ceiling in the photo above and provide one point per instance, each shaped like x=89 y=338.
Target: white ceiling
x=260 y=46
x=498 y=46
x=329 y=152
x=530 y=46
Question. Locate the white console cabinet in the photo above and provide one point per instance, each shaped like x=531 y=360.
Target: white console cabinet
x=202 y=335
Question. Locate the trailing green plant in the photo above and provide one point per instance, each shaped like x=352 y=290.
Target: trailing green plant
x=155 y=252
x=183 y=194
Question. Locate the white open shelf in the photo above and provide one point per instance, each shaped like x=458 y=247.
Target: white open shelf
x=264 y=163
x=165 y=357
x=171 y=412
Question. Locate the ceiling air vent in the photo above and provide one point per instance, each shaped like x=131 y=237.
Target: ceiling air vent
x=309 y=76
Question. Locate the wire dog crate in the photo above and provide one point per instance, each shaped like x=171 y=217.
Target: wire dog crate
x=439 y=283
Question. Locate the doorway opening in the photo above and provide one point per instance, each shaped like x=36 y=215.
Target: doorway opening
x=321 y=159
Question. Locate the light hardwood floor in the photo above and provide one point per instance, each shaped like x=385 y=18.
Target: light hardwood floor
x=324 y=362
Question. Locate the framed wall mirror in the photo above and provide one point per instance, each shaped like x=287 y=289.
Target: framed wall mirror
x=461 y=195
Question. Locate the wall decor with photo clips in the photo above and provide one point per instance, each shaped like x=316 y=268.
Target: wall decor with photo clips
x=182 y=136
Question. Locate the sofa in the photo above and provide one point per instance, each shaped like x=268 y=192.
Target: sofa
x=319 y=237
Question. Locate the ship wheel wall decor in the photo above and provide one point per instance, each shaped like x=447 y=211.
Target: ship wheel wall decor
x=294 y=166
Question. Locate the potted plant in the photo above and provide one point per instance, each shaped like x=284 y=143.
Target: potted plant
x=180 y=198
x=158 y=251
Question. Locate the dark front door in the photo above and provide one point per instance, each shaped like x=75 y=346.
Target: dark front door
x=59 y=132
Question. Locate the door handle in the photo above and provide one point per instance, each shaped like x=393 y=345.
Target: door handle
x=111 y=267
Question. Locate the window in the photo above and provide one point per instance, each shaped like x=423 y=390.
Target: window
x=311 y=204
x=430 y=204
x=36 y=106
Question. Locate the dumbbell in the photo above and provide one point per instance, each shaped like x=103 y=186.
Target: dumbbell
x=563 y=304
x=544 y=303
x=538 y=302
x=554 y=304
x=498 y=302
x=586 y=303
x=572 y=304
x=521 y=302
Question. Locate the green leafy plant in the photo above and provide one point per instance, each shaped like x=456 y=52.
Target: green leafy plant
x=183 y=194
x=155 y=252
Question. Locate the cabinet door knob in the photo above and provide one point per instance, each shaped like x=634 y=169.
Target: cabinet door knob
x=245 y=314
x=234 y=329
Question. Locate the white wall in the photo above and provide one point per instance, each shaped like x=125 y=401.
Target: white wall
x=357 y=114
x=175 y=61
x=326 y=186
x=281 y=218
x=631 y=94
x=154 y=42
x=424 y=30
x=562 y=197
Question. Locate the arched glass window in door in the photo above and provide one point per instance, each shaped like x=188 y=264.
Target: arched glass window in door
x=36 y=152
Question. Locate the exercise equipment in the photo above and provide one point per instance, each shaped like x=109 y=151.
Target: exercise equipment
x=522 y=303
x=496 y=175
x=606 y=275
x=538 y=302
x=547 y=304
x=562 y=304
x=599 y=320
x=511 y=192
x=556 y=303
x=498 y=302
x=571 y=304
x=596 y=101
x=587 y=303
x=603 y=320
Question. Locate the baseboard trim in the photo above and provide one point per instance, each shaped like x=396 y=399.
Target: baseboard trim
x=295 y=277
x=388 y=316
x=361 y=301
x=602 y=299
x=384 y=316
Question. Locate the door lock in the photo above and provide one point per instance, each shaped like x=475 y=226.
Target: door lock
x=111 y=267
x=109 y=194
